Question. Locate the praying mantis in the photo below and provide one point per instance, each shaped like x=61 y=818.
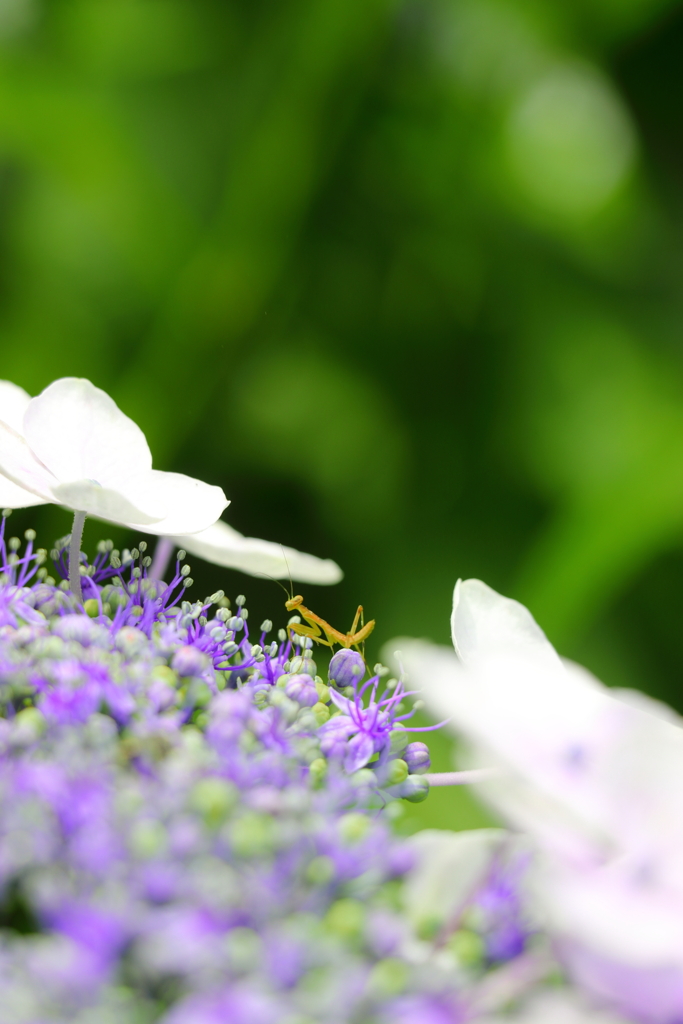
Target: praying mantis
x=317 y=626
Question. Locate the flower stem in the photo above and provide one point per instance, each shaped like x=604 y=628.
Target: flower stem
x=75 y=556
x=162 y=554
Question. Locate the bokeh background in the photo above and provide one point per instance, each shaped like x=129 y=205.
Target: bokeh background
x=403 y=276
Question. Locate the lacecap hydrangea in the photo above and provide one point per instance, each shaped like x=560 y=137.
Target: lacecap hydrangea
x=194 y=826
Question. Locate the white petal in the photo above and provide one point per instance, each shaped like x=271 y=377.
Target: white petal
x=190 y=505
x=14 y=496
x=612 y=910
x=449 y=867
x=583 y=772
x=13 y=404
x=102 y=502
x=485 y=623
x=80 y=433
x=20 y=466
x=224 y=546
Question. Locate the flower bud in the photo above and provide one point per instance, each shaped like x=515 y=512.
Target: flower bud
x=398 y=737
x=305 y=666
x=416 y=756
x=301 y=688
x=188 y=661
x=396 y=772
x=414 y=789
x=347 y=668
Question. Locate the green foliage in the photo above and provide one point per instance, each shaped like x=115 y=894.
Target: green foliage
x=402 y=275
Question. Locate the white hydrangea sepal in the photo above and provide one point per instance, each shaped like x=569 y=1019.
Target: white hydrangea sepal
x=77 y=449
x=225 y=546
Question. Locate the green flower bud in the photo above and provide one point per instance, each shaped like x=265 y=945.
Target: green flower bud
x=323 y=691
x=396 y=772
x=213 y=798
x=415 y=789
x=148 y=839
x=388 y=978
x=28 y=726
x=165 y=674
x=346 y=918
x=321 y=712
x=320 y=871
x=253 y=835
x=468 y=947
x=353 y=826
x=399 y=738
x=317 y=771
x=364 y=777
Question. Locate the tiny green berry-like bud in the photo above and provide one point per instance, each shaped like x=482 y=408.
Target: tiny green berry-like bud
x=317 y=770
x=321 y=712
x=399 y=738
x=6 y=513
x=415 y=789
x=468 y=947
x=253 y=835
x=30 y=534
x=28 y=725
x=388 y=978
x=148 y=839
x=323 y=691
x=14 y=544
x=397 y=771
x=320 y=870
x=353 y=826
x=91 y=607
x=346 y=918
x=213 y=799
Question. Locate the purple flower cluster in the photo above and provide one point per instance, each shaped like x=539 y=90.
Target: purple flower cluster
x=195 y=828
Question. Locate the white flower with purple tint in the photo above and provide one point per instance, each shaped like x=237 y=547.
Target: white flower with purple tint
x=593 y=776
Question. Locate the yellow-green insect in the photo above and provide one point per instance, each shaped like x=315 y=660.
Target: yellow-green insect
x=317 y=627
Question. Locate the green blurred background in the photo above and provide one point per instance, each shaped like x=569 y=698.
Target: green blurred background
x=403 y=276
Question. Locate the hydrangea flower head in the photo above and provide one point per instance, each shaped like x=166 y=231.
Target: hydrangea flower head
x=187 y=833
